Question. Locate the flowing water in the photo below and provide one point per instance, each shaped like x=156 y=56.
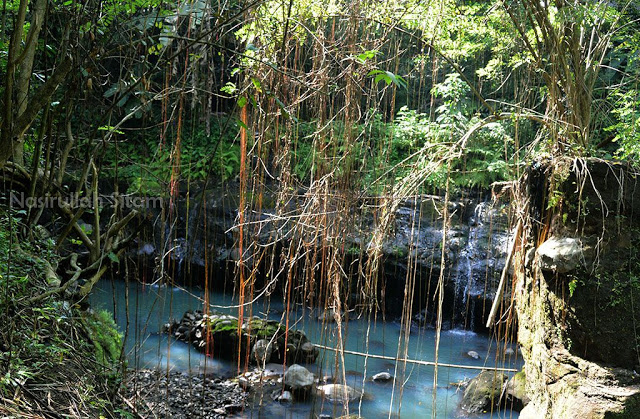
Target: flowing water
x=152 y=306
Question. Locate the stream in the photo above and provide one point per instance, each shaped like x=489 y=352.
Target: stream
x=151 y=306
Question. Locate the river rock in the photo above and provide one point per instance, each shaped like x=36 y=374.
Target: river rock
x=273 y=370
x=283 y=397
x=473 y=354
x=560 y=254
x=218 y=335
x=309 y=352
x=483 y=392
x=338 y=393
x=261 y=351
x=382 y=377
x=515 y=394
x=298 y=379
x=329 y=379
x=327 y=316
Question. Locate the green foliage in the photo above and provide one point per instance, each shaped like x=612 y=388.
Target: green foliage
x=573 y=284
x=104 y=335
x=623 y=288
x=44 y=344
x=626 y=129
x=302 y=159
x=412 y=129
x=20 y=259
x=199 y=158
x=391 y=148
x=454 y=93
x=388 y=77
x=148 y=164
x=487 y=156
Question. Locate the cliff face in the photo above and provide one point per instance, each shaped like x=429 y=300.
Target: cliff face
x=578 y=290
x=477 y=235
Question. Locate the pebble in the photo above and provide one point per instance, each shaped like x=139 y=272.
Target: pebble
x=187 y=396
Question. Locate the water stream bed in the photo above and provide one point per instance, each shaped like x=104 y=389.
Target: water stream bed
x=413 y=393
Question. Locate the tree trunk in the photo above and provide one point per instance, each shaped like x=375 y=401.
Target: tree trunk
x=24 y=74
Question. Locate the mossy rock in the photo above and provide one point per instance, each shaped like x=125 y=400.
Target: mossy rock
x=515 y=391
x=219 y=335
x=483 y=392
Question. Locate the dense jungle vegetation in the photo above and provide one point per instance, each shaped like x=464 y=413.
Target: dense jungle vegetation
x=337 y=107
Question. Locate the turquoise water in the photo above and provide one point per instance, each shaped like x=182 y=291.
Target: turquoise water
x=151 y=306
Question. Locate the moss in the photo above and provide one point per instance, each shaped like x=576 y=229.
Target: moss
x=223 y=325
x=265 y=328
x=483 y=392
x=228 y=326
x=104 y=335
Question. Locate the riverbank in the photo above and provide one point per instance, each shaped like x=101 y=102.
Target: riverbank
x=175 y=394
x=409 y=395
x=57 y=357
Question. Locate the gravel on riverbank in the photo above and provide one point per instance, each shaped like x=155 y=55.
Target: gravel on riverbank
x=150 y=393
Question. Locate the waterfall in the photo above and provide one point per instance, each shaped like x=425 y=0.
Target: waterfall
x=470 y=266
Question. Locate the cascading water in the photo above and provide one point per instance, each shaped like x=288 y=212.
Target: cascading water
x=478 y=264
x=475 y=248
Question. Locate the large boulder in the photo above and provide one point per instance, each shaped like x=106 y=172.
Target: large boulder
x=483 y=392
x=576 y=330
x=298 y=380
x=217 y=335
x=560 y=255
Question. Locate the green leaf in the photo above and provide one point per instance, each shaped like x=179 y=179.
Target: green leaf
x=229 y=88
x=256 y=84
x=112 y=90
x=242 y=124
x=110 y=128
x=381 y=77
x=367 y=55
x=573 y=284
x=242 y=101
x=388 y=77
x=114 y=258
